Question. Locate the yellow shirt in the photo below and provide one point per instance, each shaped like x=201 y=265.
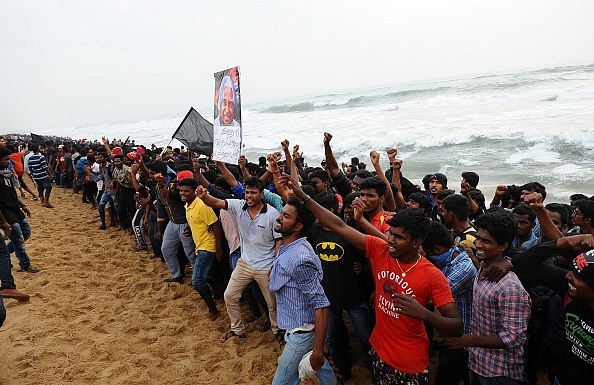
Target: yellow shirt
x=200 y=217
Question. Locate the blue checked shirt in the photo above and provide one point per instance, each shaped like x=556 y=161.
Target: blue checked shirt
x=296 y=279
x=460 y=274
x=501 y=308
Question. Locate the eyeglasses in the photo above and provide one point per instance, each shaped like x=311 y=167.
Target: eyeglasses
x=576 y=213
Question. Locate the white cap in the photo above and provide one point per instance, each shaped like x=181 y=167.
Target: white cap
x=305 y=369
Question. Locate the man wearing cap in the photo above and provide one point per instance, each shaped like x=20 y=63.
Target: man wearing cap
x=576 y=286
x=173 y=228
x=436 y=183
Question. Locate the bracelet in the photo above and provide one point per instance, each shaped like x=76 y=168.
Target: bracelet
x=307 y=197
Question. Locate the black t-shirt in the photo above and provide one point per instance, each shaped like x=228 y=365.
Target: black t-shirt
x=577 y=360
x=342 y=287
x=9 y=203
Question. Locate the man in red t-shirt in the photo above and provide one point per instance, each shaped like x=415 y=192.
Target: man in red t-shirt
x=405 y=282
x=19 y=169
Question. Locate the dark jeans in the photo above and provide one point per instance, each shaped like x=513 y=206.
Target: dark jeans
x=452 y=367
x=126 y=207
x=338 y=338
x=152 y=231
x=44 y=185
x=2 y=311
x=6 y=279
x=476 y=379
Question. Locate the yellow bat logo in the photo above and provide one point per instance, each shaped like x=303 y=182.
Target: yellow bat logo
x=329 y=251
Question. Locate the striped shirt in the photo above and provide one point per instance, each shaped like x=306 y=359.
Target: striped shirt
x=296 y=279
x=500 y=308
x=38 y=166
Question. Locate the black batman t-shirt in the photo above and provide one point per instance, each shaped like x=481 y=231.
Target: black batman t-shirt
x=342 y=286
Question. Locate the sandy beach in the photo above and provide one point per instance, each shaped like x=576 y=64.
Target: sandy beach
x=101 y=314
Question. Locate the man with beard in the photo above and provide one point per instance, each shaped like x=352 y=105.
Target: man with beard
x=296 y=279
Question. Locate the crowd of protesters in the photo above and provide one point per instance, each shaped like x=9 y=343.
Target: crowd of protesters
x=506 y=287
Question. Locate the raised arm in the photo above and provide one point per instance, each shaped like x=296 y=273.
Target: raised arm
x=273 y=168
x=331 y=162
x=106 y=145
x=465 y=190
x=242 y=161
x=326 y=217
x=390 y=204
x=229 y=177
x=288 y=157
x=396 y=165
x=548 y=229
x=209 y=200
x=499 y=192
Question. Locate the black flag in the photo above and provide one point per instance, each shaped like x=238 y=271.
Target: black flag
x=37 y=138
x=195 y=132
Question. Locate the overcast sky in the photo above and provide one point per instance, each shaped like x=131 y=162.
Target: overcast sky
x=71 y=63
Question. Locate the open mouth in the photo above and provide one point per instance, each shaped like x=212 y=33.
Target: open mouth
x=571 y=288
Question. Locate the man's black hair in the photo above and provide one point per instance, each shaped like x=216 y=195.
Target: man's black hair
x=586 y=206
x=422 y=200
x=536 y=187
x=4 y=152
x=363 y=174
x=442 y=194
x=220 y=182
x=190 y=182
x=438 y=236
x=471 y=177
x=561 y=209
x=501 y=224
x=33 y=146
x=458 y=205
x=319 y=173
x=327 y=200
x=478 y=197
x=158 y=166
x=254 y=181
x=348 y=200
x=577 y=197
x=304 y=216
x=524 y=209
x=412 y=221
x=373 y=183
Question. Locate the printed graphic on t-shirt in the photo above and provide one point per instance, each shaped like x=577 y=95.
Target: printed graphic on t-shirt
x=581 y=336
x=329 y=251
x=392 y=284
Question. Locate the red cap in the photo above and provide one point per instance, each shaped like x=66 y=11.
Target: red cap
x=185 y=174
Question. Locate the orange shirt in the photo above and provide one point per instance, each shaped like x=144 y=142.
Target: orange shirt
x=17 y=159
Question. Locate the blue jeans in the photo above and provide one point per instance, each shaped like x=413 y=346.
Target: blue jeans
x=21 y=231
x=287 y=372
x=6 y=279
x=44 y=184
x=104 y=199
x=200 y=271
x=338 y=338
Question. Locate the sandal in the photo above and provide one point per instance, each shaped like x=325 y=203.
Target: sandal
x=280 y=337
x=230 y=334
x=252 y=318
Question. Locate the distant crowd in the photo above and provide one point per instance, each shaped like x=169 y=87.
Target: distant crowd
x=504 y=289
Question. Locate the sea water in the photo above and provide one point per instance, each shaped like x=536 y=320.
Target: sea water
x=510 y=128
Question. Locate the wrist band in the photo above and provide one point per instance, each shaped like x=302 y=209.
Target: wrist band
x=307 y=197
